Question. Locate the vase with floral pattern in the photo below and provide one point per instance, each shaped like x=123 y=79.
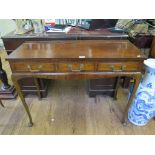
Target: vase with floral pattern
x=143 y=106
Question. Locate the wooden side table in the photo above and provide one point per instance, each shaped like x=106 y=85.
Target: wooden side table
x=76 y=60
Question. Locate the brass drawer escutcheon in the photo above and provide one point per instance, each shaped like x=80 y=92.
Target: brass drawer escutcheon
x=34 y=70
x=112 y=67
x=70 y=67
x=123 y=67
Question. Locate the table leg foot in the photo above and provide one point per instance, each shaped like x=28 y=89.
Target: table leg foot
x=125 y=120
x=124 y=123
x=30 y=124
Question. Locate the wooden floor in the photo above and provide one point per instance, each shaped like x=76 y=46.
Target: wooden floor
x=68 y=110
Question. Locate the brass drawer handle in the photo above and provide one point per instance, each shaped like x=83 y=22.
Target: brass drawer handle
x=70 y=67
x=112 y=67
x=33 y=70
x=123 y=67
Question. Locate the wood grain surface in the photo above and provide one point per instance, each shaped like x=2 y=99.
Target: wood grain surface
x=86 y=49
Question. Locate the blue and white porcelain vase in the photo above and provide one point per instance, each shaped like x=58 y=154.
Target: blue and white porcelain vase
x=143 y=106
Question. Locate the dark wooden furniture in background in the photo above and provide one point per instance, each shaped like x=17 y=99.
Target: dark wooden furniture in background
x=13 y=41
x=6 y=91
x=76 y=60
x=103 y=87
x=153 y=48
x=142 y=41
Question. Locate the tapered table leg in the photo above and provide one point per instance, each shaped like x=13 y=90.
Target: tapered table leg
x=116 y=88
x=7 y=91
x=36 y=81
x=137 y=79
x=20 y=93
x=1 y=103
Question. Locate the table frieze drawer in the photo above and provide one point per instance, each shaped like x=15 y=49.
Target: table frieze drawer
x=119 y=66
x=75 y=67
x=34 y=67
x=53 y=67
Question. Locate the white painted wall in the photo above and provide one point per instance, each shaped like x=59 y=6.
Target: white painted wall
x=6 y=26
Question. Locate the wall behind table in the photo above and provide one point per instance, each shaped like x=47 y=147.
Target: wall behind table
x=6 y=26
